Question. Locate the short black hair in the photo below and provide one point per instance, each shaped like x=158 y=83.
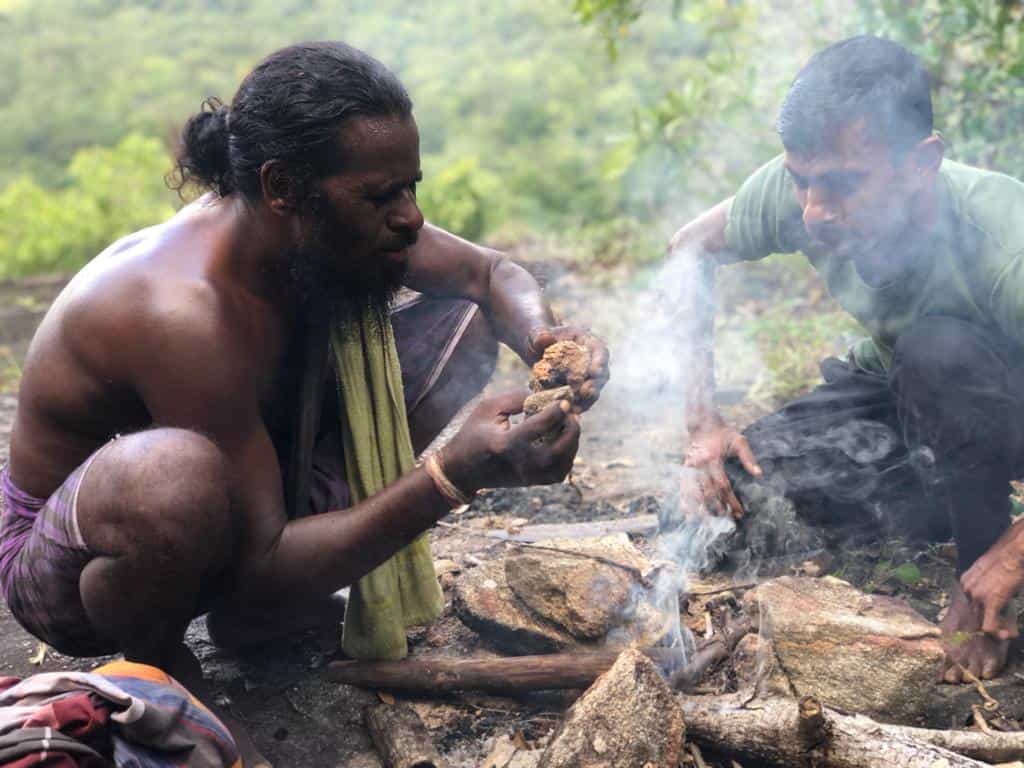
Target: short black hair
x=289 y=108
x=860 y=77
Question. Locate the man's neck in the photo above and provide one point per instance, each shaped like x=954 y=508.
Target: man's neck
x=251 y=256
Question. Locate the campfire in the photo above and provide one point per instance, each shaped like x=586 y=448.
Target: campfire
x=671 y=667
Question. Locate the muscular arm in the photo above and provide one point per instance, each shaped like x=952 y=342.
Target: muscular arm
x=697 y=245
x=445 y=265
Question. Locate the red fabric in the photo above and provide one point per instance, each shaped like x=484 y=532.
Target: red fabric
x=80 y=715
x=77 y=715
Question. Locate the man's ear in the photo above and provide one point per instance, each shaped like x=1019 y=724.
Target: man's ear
x=280 y=191
x=926 y=158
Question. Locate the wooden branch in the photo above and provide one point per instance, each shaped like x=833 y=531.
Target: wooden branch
x=784 y=731
x=688 y=676
x=400 y=737
x=991 y=747
x=500 y=675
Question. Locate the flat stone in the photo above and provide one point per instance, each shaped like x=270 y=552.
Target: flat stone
x=584 y=597
x=628 y=717
x=860 y=653
x=483 y=602
x=535 y=600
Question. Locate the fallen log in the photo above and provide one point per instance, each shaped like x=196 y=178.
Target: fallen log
x=516 y=673
x=400 y=737
x=511 y=673
x=787 y=732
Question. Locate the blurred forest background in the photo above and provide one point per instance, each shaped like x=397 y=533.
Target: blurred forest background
x=595 y=127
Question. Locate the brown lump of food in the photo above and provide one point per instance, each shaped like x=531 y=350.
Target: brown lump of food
x=538 y=401
x=564 y=363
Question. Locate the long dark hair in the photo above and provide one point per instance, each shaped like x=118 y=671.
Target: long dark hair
x=289 y=108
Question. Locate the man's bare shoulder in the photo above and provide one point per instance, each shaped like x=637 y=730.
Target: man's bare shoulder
x=148 y=297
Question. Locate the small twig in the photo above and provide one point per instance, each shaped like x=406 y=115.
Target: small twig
x=695 y=753
x=720 y=590
x=631 y=569
x=980 y=721
x=991 y=704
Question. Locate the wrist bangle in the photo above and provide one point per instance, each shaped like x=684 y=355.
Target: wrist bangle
x=451 y=493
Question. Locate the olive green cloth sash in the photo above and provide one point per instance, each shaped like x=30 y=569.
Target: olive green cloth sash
x=403 y=590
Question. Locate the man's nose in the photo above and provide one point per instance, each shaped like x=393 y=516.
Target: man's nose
x=819 y=211
x=406 y=216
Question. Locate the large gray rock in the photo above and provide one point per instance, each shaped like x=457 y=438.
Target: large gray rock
x=628 y=717
x=536 y=600
x=860 y=653
x=581 y=595
x=484 y=603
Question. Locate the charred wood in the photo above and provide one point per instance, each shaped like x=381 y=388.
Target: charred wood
x=400 y=737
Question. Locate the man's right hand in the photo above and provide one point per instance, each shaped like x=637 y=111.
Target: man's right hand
x=710 y=446
x=489 y=452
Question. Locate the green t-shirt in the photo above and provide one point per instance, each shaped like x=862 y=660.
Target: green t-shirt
x=970 y=266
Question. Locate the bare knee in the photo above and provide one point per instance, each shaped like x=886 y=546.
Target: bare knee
x=163 y=489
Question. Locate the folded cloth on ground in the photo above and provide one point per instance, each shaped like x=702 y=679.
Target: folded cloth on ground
x=126 y=714
x=403 y=590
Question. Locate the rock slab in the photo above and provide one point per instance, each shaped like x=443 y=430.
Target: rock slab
x=861 y=653
x=535 y=600
x=628 y=717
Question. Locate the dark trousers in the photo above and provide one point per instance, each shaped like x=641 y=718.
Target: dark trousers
x=927 y=451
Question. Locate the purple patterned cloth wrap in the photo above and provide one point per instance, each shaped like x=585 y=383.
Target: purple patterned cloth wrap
x=41 y=560
x=18 y=511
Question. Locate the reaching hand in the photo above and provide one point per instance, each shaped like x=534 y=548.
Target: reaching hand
x=710 y=446
x=994 y=579
x=587 y=394
x=489 y=452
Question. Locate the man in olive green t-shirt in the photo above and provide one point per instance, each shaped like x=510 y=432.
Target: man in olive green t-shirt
x=923 y=425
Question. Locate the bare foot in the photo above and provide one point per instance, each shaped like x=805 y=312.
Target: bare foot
x=234 y=634
x=187 y=671
x=967 y=647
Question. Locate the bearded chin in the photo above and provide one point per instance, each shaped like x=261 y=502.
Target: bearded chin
x=327 y=293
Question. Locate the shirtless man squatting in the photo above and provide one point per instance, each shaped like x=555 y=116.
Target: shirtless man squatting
x=157 y=406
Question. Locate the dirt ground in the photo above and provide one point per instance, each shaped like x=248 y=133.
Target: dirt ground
x=628 y=453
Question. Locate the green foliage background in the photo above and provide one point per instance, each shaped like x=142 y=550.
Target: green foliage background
x=603 y=122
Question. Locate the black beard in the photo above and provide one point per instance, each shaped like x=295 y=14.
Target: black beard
x=327 y=293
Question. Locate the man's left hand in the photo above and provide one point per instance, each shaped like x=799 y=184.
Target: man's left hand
x=597 y=375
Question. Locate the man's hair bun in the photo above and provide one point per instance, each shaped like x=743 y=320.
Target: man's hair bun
x=204 y=155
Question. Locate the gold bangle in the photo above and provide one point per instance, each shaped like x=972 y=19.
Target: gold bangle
x=435 y=468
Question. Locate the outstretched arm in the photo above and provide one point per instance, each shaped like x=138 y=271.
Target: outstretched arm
x=711 y=439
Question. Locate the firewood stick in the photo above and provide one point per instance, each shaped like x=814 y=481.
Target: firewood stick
x=770 y=729
x=400 y=737
x=687 y=676
x=513 y=673
x=527 y=673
